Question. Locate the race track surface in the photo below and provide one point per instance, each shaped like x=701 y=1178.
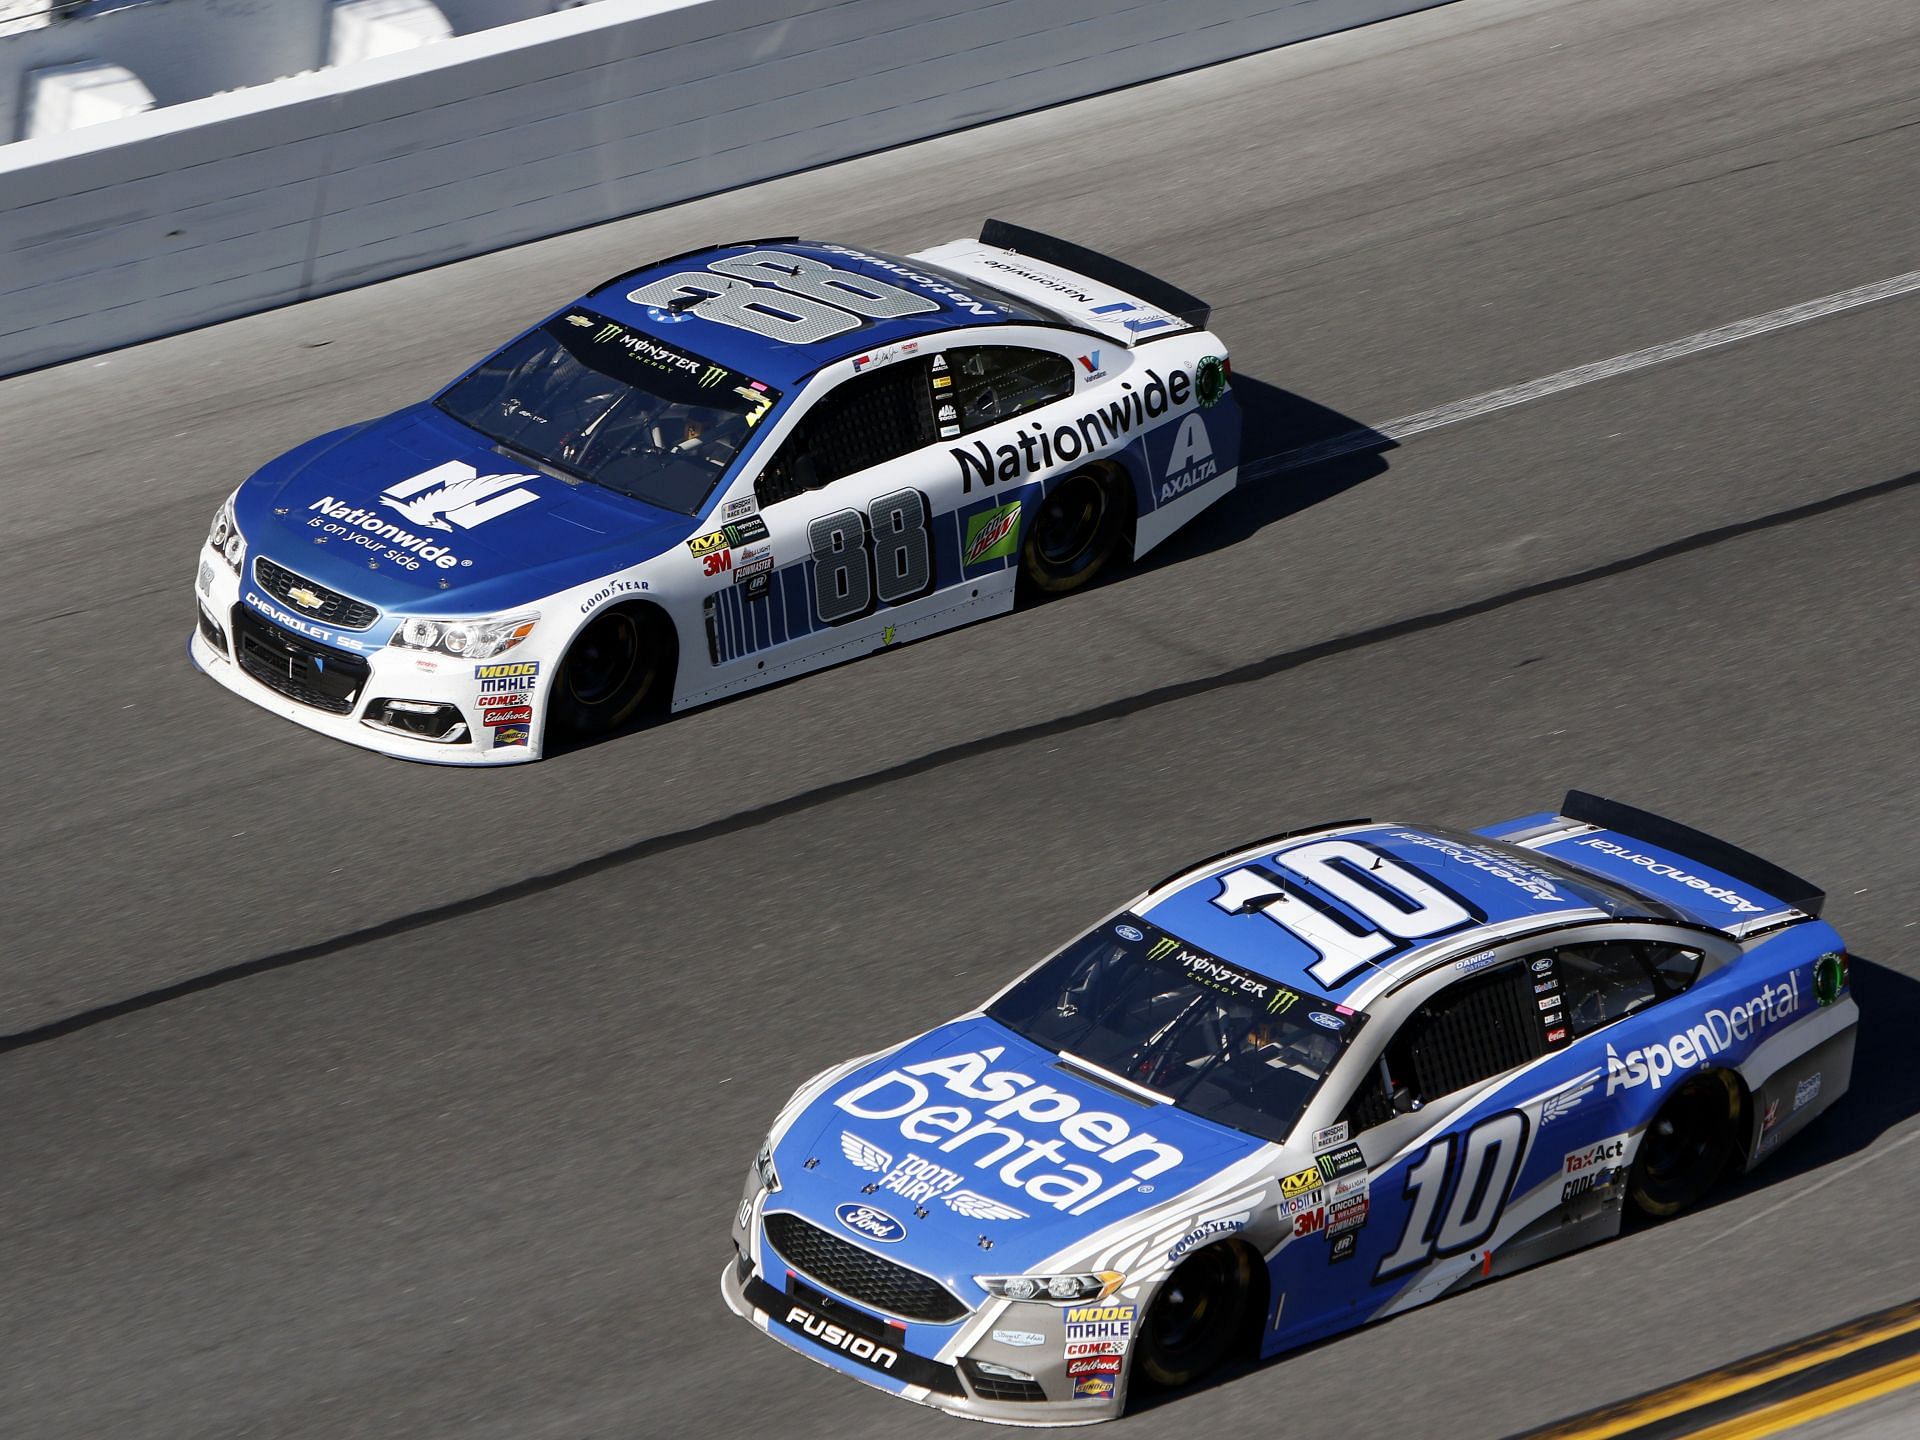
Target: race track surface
x=348 y=1098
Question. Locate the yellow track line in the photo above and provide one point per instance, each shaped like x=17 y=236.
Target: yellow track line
x=1718 y=1384
x=1841 y=1395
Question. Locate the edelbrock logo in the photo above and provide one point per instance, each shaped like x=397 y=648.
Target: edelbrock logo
x=872 y=1223
x=901 y=1095
x=1774 y=1005
x=1739 y=902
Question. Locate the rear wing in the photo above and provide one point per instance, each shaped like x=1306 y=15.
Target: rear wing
x=1082 y=286
x=1704 y=877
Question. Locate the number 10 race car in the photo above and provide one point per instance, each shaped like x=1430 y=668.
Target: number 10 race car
x=1304 y=1085
x=712 y=473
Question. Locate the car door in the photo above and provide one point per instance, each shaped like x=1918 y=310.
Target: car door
x=1412 y=1181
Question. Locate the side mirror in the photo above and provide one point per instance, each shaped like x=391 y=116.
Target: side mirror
x=1405 y=1102
x=805 y=475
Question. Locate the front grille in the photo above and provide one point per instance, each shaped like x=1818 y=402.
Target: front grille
x=860 y=1275
x=298 y=668
x=343 y=612
x=1000 y=1387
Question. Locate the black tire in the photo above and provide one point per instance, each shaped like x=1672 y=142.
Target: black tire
x=617 y=665
x=1688 y=1147
x=1197 y=1317
x=1075 y=532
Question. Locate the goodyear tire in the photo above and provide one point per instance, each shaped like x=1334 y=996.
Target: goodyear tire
x=1688 y=1147
x=1197 y=1317
x=1074 y=533
x=614 y=669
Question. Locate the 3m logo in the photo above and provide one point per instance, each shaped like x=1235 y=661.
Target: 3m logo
x=457 y=494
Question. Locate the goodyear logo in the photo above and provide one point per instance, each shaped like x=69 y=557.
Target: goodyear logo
x=1089 y=1314
x=1299 y=1183
x=518 y=669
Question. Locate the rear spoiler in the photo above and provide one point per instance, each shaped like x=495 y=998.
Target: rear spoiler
x=1095 y=266
x=1695 y=845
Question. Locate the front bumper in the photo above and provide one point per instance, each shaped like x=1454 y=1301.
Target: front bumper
x=844 y=1338
x=345 y=684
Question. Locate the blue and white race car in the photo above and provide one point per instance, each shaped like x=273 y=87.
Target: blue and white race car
x=1307 y=1084
x=718 y=471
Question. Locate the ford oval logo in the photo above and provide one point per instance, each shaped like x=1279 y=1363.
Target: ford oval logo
x=1326 y=1021
x=1127 y=932
x=872 y=1223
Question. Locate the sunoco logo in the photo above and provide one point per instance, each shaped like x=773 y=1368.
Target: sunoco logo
x=1110 y=1157
x=872 y=1223
x=1718 y=1029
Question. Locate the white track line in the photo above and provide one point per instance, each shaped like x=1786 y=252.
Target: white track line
x=1484 y=404
x=1794 y=1199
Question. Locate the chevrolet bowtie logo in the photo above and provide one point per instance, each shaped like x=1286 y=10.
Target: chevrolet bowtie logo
x=305 y=598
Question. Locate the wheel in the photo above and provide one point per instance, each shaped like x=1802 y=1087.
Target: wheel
x=1197 y=1316
x=1688 y=1147
x=612 y=669
x=1078 y=528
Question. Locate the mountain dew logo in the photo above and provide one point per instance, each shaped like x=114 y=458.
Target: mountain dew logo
x=992 y=535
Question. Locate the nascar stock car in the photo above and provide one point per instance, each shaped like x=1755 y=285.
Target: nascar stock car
x=1301 y=1086
x=714 y=472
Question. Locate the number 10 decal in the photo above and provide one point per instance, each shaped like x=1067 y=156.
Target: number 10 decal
x=1401 y=905
x=849 y=568
x=1490 y=1155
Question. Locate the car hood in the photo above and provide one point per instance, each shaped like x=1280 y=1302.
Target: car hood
x=417 y=511
x=983 y=1154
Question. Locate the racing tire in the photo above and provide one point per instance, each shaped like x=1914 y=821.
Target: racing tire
x=1075 y=532
x=1688 y=1147
x=1197 y=1317
x=613 y=670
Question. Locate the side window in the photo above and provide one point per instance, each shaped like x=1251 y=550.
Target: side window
x=1610 y=981
x=1473 y=1029
x=991 y=383
x=864 y=422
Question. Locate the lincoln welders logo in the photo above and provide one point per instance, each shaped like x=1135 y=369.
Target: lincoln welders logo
x=457 y=494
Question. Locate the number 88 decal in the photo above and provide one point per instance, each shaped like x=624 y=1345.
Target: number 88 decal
x=1490 y=1155
x=888 y=553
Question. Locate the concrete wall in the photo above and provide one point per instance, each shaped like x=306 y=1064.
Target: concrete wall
x=198 y=212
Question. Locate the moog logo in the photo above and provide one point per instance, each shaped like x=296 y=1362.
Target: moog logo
x=872 y=1223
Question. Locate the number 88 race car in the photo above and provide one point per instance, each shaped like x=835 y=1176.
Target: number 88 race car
x=712 y=473
x=1302 y=1086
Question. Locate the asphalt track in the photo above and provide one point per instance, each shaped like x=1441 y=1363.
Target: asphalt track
x=348 y=1098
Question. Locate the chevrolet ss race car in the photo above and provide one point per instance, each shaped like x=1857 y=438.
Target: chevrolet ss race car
x=717 y=471
x=1302 y=1086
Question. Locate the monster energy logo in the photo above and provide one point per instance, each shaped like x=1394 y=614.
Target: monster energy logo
x=712 y=376
x=1162 y=948
x=651 y=352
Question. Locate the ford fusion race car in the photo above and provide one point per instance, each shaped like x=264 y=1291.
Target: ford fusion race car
x=717 y=471
x=1307 y=1084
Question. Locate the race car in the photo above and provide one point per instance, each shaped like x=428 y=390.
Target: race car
x=712 y=473
x=1304 y=1085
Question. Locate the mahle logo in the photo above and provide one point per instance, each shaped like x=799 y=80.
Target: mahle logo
x=992 y=535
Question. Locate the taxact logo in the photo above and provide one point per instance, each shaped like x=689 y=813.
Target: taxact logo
x=1717 y=1030
x=1607 y=1152
x=978 y=1136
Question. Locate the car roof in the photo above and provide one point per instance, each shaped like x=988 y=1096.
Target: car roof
x=962 y=303
x=1510 y=894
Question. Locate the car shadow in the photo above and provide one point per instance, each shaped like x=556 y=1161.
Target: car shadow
x=1880 y=1096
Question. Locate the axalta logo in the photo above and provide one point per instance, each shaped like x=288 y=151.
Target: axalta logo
x=1673 y=872
x=1717 y=1030
x=980 y=1140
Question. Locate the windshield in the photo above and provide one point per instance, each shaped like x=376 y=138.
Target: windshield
x=606 y=403
x=1212 y=1037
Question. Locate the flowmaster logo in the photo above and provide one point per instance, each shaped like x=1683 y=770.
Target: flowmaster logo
x=902 y=1095
x=1718 y=1029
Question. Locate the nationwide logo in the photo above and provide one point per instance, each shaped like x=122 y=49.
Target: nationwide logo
x=457 y=494
x=1036 y=447
x=983 y=1139
x=992 y=535
x=1739 y=902
x=872 y=1223
x=918 y=1180
x=1717 y=1030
